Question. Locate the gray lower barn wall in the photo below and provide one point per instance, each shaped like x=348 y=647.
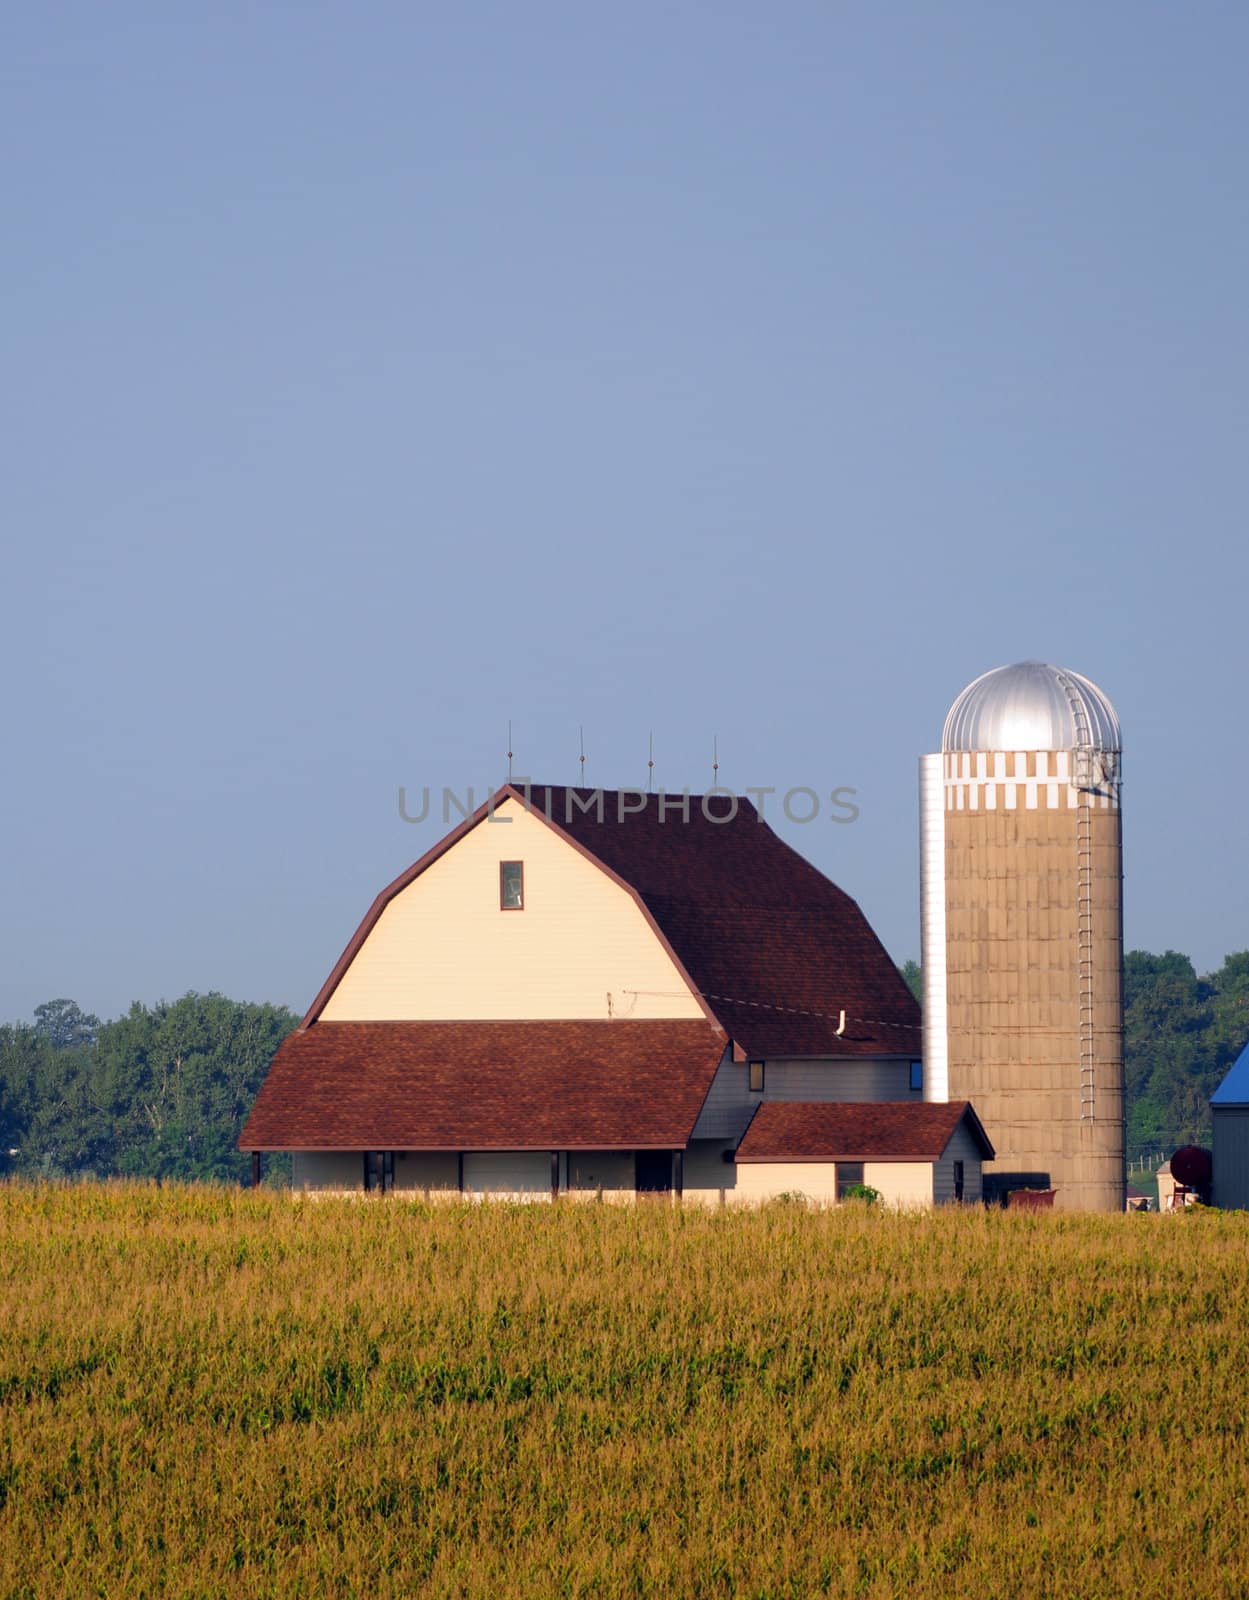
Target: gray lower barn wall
x=962 y=1147
x=730 y=1104
x=433 y=1171
x=1231 y=1157
x=593 y=1172
x=507 y=1174
x=342 y=1171
x=705 y=1175
x=334 y=1171
x=707 y=1178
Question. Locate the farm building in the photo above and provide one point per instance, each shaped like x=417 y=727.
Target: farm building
x=912 y=1155
x=1229 y=1107
x=1022 y=913
x=583 y=991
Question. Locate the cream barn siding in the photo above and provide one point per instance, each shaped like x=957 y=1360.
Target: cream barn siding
x=962 y=1147
x=764 y=1180
x=442 y=948
x=431 y=1171
x=508 y=1174
x=1231 y=1157
x=334 y=1171
x=900 y=1183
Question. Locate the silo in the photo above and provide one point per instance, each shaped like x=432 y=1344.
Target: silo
x=1022 y=902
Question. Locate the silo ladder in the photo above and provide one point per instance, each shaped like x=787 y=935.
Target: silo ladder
x=1082 y=781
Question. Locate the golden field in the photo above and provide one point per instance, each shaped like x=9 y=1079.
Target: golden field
x=214 y=1392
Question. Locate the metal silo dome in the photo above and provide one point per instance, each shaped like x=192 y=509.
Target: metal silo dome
x=1031 y=706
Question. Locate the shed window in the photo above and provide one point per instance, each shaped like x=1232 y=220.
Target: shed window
x=756 y=1077
x=917 y=1074
x=511 y=885
x=958 y=1180
x=849 y=1173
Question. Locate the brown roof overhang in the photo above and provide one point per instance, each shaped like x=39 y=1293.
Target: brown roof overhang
x=572 y=1085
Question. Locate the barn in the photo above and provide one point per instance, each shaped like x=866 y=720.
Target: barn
x=586 y=993
x=1229 y=1109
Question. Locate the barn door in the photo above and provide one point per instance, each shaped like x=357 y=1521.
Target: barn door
x=653 y=1171
x=379 y=1171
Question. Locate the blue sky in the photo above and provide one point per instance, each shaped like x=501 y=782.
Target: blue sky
x=379 y=374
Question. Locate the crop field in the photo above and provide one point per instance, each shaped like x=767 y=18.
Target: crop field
x=213 y=1392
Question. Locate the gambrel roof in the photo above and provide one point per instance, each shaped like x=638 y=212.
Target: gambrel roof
x=486 y=1086
x=773 y=949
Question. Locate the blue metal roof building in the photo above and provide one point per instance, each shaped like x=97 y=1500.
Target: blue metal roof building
x=1229 y=1106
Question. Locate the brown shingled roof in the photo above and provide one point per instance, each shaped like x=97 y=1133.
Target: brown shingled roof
x=887 y=1130
x=775 y=950
x=485 y=1086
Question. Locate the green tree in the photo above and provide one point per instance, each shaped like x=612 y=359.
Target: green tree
x=1230 y=1007
x=18 y=1048
x=1173 y=1054
x=47 y=1119
x=913 y=973
x=160 y=1092
x=178 y=1080
x=65 y=1025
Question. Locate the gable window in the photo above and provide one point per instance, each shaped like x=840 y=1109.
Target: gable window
x=958 y=1180
x=849 y=1176
x=756 y=1077
x=511 y=885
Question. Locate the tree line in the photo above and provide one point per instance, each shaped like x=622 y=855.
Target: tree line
x=1182 y=1031
x=163 y=1091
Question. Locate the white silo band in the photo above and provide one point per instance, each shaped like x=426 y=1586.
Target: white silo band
x=932 y=925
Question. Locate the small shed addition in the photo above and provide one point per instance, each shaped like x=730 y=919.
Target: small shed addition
x=913 y=1153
